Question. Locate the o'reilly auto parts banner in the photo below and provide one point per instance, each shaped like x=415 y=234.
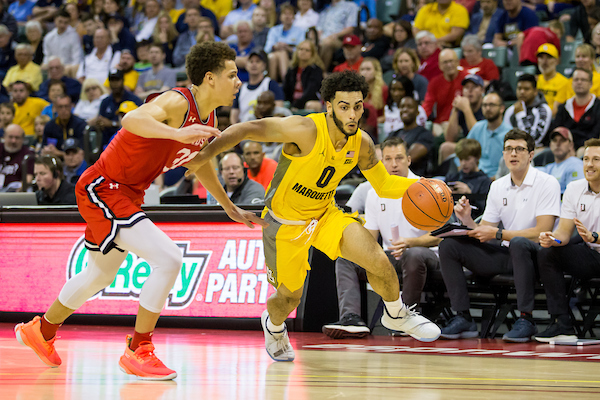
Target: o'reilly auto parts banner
x=223 y=273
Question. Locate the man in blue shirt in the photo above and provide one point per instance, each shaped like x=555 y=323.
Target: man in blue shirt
x=566 y=167
x=490 y=133
x=516 y=19
x=21 y=10
x=484 y=22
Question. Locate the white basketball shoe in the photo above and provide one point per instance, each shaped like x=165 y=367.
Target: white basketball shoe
x=277 y=343
x=412 y=323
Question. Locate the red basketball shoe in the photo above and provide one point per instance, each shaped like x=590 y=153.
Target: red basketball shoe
x=144 y=364
x=30 y=335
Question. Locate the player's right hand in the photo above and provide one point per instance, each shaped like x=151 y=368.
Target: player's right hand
x=545 y=240
x=195 y=133
x=462 y=209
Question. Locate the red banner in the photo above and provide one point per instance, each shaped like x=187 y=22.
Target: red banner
x=223 y=272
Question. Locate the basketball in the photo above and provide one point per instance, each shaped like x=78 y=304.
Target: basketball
x=427 y=204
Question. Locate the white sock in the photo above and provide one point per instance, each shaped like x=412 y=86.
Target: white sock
x=394 y=307
x=274 y=328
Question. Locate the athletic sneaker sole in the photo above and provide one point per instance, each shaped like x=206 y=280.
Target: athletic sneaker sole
x=462 y=335
x=562 y=338
x=147 y=378
x=342 y=332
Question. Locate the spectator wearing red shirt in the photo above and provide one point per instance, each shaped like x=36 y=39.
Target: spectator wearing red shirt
x=352 y=48
x=530 y=40
x=474 y=63
x=429 y=53
x=442 y=89
x=260 y=169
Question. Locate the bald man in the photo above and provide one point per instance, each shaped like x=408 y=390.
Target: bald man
x=443 y=88
x=260 y=169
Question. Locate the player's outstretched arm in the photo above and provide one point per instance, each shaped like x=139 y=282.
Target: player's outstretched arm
x=161 y=119
x=386 y=185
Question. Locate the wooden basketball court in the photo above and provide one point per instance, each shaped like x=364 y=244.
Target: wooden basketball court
x=221 y=364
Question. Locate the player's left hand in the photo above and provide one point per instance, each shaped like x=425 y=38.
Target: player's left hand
x=245 y=217
x=484 y=233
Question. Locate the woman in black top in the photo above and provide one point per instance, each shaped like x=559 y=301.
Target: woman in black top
x=303 y=79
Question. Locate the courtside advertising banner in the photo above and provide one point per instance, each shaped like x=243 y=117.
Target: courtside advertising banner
x=223 y=273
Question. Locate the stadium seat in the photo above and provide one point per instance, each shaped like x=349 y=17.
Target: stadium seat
x=567 y=54
x=387 y=10
x=511 y=74
x=497 y=55
x=388 y=76
x=566 y=70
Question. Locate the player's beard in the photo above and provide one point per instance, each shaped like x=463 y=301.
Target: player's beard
x=340 y=125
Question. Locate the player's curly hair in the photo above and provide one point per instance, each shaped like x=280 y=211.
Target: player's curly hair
x=205 y=57
x=345 y=81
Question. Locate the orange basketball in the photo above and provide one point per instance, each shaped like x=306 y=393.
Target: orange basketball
x=427 y=204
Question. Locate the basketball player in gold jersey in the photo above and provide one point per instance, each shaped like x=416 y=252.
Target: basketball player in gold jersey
x=319 y=151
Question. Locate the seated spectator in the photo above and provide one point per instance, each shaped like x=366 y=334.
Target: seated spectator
x=120 y=36
x=244 y=46
x=530 y=113
x=399 y=89
x=473 y=63
x=242 y=13
x=63 y=42
x=446 y=19
x=53 y=189
x=55 y=88
x=45 y=10
x=107 y=121
x=429 y=53
x=25 y=70
x=26 y=107
x=306 y=17
x=303 y=79
x=417 y=139
x=581 y=113
x=336 y=22
x=579 y=20
x=39 y=124
x=101 y=61
x=75 y=163
x=34 y=35
x=88 y=106
x=444 y=88
x=409 y=254
x=406 y=63
x=549 y=82
x=260 y=30
x=566 y=166
x=7 y=53
x=145 y=28
x=257 y=84
x=21 y=10
x=239 y=188
x=206 y=31
x=56 y=71
x=466 y=108
x=157 y=79
x=524 y=214
x=584 y=59
x=89 y=25
x=281 y=42
x=12 y=153
x=64 y=126
x=7 y=19
x=370 y=69
x=219 y=8
x=376 y=43
x=402 y=37
x=182 y=25
x=166 y=35
x=265 y=107
x=75 y=19
x=528 y=42
x=272 y=11
x=141 y=55
x=127 y=67
x=515 y=19
x=7 y=114
x=260 y=169
x=352 y=49
x=560 y=255
x=469 y=179
x=483 y=23
x=490 y=133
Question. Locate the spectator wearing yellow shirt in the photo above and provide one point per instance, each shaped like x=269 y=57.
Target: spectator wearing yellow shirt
x=549 y=82
x=219 y=7
x=25 y=70
x=584 y=58
x=169 y=8
x=26 y=108
x=126 y=65
x=446 y=19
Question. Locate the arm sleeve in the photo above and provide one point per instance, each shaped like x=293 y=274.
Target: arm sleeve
x=386 y=185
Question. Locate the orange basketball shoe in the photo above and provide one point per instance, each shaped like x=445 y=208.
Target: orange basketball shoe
x=30 y=335
x=144 y=364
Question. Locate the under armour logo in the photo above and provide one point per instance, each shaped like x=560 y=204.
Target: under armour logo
x=191 y=119
x=113 y=185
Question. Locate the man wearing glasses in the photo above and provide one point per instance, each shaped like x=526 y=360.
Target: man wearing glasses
x=490 y=132
x=526 y=203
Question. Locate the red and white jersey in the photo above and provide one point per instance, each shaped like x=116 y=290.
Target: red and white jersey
x=136 y=161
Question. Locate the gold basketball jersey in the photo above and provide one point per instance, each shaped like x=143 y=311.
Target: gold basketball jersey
x=303 y=187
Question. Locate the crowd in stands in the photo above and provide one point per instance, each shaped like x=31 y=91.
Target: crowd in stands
x=448 y=80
